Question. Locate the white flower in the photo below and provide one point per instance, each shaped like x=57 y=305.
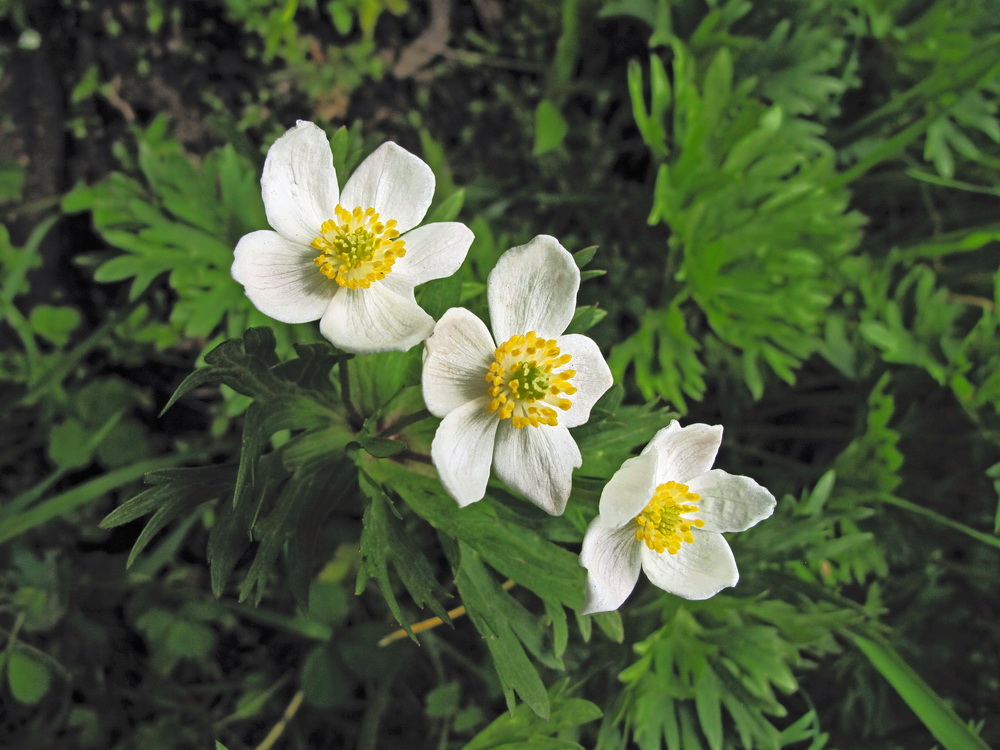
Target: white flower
x=665 y=511
x=509 y=404
x=348 y=259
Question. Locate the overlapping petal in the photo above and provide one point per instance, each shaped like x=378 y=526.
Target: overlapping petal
x=612 y=559
x=592 y=379
x=538 y=463
x=684 y=452
x=730 y=503
x=462 y=450
x=397 y=184
x=699 y=571
x=628 y=491
x=299 y=183
x=533 y=287
x=280 y=278
x=458 y=354
x=433 y=251
x=378 y=319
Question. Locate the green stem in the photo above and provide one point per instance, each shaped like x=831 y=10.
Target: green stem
x=88 y=492
x=408 y=455
x=888 y=149
x=13 y=644
x=976 y=67
x=373 y=716
x=353 y=415
x=963 y=240
x=941 y=519
x=55 y=374
x=403 y=422
x=30 y=496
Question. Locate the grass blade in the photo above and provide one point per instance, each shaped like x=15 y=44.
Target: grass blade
x=939 y=718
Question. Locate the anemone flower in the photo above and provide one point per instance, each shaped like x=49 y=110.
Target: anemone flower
x=508 y=399
x=665 y=511
x=348 y=259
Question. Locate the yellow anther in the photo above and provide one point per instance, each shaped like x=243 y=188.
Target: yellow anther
x=356 y=248
x=660 y=525
x=526 y=381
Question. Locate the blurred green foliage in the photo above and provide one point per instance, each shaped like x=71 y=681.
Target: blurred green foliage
x=794 y=205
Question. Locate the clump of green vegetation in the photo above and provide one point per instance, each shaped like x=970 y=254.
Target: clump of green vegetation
x=786 y=217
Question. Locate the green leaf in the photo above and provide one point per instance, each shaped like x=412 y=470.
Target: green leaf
x=522 y=555
x=935 y=713
x=521 y=728
x=11 y=181
x=591 y=274
x=383 y=543
x=125 y=443
x=28 y=678
x=290 y=501
x=448 y=209
x=650 y=121
x=482 y=597
x=585 y=318
x=322 y=678
x=327 y=602
x=69 y=445
x=611 y=436
x=443 y=700
x=611 y=625
x=54 y=323
x=665 y=358
x=228 y=539
x=381 y=447
x=550 y=128
x=583 y=257
x=242 y=364
x=169 y=485
x=438 y=295
x=707 y=701
x=189 y=640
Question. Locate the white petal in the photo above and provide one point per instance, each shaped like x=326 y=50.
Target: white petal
x=299 y=184
x=730 y=503
x=433 y=251
x=538 y=462
x=612 y=559
x=457 y=357
x=629 y=490
x=684 y=452
x=280 y=277
x=377 y=319
x=592 y=379
x=533 y=288
x=699 y=570
x=462 y=450
x=395 y=183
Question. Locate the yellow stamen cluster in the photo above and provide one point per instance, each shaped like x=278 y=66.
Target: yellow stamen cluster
x=356 y=248
x=527 y=380
x=660 y=524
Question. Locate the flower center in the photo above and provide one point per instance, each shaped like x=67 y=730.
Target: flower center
x=356 y=248
x=527 y=379
x=660 y=524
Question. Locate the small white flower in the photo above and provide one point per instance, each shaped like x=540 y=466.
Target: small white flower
x=508 y=399
x=665 y=511
x=348 y=259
